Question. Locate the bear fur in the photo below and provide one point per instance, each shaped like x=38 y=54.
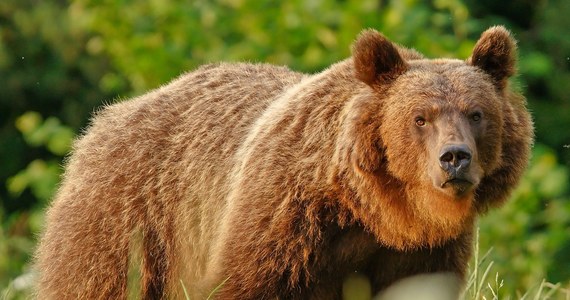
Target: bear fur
x=260 y=182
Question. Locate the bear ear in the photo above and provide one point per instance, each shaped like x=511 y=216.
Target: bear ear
x=495 y=53
x=376 y=59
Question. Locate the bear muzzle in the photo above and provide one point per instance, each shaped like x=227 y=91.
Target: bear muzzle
x=455 y=161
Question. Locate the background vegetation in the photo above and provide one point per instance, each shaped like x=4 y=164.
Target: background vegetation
x=60 y=60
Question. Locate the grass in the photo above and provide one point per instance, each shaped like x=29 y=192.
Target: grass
x=482 y=286
x=210 y=296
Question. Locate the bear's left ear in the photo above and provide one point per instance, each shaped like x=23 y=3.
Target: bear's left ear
x=495 y=53
x=376 y=59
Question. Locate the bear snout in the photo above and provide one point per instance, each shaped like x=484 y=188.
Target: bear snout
x=455 y=173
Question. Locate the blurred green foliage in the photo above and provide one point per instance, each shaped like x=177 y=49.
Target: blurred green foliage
x=60 y=60
x=41 y=176
x=530 y=235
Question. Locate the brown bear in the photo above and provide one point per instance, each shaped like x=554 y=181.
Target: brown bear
x=257 y=182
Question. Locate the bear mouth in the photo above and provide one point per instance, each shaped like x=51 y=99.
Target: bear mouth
x=458 y=185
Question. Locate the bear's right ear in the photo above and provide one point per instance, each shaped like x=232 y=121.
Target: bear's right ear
x=376 y=59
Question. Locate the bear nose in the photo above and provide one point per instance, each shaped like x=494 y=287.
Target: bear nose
x=454 y=157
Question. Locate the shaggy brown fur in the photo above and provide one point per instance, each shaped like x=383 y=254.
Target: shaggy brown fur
x=282 y=184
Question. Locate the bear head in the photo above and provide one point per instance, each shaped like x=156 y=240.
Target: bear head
x=443 y=139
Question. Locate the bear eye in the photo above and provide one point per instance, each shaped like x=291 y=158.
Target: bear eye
x=420 y=121
x=476 y=116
